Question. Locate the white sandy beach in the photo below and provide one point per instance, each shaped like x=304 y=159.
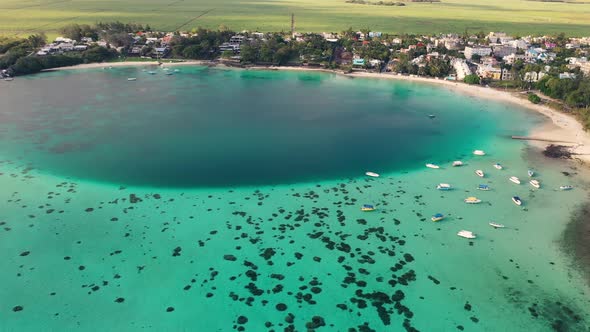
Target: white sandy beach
x=562 y=128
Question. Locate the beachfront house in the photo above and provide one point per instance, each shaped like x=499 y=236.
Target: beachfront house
x=358 y=62
x=533 y=76
x=487 y=71
x=461 y=68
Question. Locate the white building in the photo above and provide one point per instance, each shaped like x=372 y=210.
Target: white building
x=479 y=50
x=519 y=43
x=533 y=76
x=512 y=58
x=461 y=68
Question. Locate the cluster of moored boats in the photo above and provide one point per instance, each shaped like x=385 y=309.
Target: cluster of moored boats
x=167 y=71
x=474 y=200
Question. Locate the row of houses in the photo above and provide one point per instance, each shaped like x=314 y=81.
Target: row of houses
x=62 y=45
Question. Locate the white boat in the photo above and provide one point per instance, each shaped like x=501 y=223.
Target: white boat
x=472 y=200
x=152 y=72
x=432 y=166
x=176 y=70
x=566 y=188
x=371 y=174
x=531 y=173
x=496 y=225
x=535 y=183
x=479 y=173
x=498 y=166
x=517 y=200
x=457 y=163
x=515 y=179
x=9 y=79
x=132 y=79
x=479 y=153
x=444 y=186
x=466 y=234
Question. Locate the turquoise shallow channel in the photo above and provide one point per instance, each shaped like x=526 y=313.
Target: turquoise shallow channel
x=229 y=200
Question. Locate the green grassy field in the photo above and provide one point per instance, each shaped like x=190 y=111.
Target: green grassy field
x=22 y=17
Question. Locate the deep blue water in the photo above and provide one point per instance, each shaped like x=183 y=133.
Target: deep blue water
x=213 y=127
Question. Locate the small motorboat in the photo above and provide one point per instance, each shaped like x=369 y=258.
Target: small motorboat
x=432 y=166
x=566 y=188
x=443 y=186
x=498 y=166
x=496 y=225
x=132 y=79
x=479 y=153
x=9 y=79
x=466 y=234
x=457 y=163
x=151 y=72
x=169 y=73
x=472 y=200
x=483 y=187
x=371 y=174
x=438 y=217
x=479 y=173
x=530 y=173
x=367 y=208
x=535 y=183
x=515 y=179
x=176 y=70
x=432 y=116
x=517 y=200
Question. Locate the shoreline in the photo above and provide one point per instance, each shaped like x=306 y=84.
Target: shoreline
x=558 y=127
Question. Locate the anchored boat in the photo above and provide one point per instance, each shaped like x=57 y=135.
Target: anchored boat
x=496 y=225
x=466 y=234
x=515 y=179
x=472 y=200
x=531 y=173
x=483 y=187
x=479 y=173
x=443 y=186
x=438 y=217
x=457 y=163
x=479 y=153
x=432 y=166
x=566 y=188
x=517 y=200
x=535 y=183
x=498 y=166
x=367 y=208
x=371 y=174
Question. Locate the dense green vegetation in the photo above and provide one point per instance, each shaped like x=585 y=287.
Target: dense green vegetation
x=471 y=79
x=533 y=98
x=25 y=17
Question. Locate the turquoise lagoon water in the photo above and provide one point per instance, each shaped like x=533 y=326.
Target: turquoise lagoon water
x=222 y=200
